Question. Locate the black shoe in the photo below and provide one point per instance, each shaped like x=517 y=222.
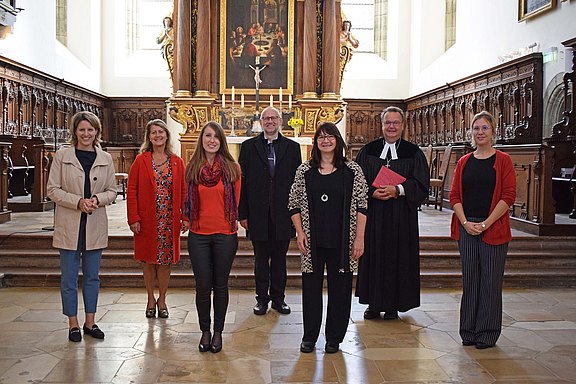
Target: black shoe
x=468 y=343
x=95 y=332
x=391 y=315
x=332 y=347
x=74 y=334
x=260 y=309
x=483 y=345
x=151 y=312
x=307 y=346
x=216 y=342
x=370 y=314
x=282 y=308
x=204 y=345
x=162 y=312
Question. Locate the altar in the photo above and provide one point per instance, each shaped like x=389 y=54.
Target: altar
x=234 y=143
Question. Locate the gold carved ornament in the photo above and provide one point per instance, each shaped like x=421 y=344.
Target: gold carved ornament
x=191 y=118
x=316 y=116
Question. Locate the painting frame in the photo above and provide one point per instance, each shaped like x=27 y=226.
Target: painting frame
x=531 y=8
x=235 y=73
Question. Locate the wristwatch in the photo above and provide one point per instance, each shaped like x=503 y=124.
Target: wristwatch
x=483 y=225
x=397 y=190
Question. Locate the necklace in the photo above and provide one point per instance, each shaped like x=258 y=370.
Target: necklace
x=160 y=164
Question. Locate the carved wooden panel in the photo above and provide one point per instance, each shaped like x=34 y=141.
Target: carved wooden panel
x=129 y=116
x=512 y=92
x=35 y=104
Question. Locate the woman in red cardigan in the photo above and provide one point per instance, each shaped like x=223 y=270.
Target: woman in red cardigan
x=156 y=194
x=483 y=190
x=213 y=178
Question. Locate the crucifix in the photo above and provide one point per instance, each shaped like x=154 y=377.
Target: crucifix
x=257 y=80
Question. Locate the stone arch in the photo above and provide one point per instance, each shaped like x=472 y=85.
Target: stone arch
x=554 y=103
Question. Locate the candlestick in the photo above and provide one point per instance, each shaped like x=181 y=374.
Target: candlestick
x=280 y=95
x=242 y=101
x=290 y=102
x=223 y=101
x=271 y=100
x=233 y=93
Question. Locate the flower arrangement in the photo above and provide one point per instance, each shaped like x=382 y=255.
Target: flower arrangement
x=295 y=122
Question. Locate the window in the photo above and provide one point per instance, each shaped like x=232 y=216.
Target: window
x=450 y=34
x=361 y=13
x=144 y=22
x=62 y=21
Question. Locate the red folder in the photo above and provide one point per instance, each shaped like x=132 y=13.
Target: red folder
x=386 y=176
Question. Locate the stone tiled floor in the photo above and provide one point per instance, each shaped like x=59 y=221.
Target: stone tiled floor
x=538 y=343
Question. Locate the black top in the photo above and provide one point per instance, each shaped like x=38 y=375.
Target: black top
x=478 y=182
x=327 y=201
x=86 y=159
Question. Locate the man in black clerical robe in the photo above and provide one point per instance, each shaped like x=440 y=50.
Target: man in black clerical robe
x=389 y=272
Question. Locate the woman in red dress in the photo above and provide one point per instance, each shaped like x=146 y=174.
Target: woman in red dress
x=156 y=194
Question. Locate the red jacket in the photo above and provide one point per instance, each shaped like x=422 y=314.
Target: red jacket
x=505 y=189
x=141 y=203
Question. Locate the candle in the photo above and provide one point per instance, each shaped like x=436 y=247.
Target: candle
x=290 y=102
x=223 y=101
x=280 y=95
x=271 y=100
x=233 y=94
x=242 y=101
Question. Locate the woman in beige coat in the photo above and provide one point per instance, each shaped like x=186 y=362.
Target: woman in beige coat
x=81 y=183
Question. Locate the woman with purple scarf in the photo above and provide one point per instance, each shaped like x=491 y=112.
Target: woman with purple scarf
x=213 y=178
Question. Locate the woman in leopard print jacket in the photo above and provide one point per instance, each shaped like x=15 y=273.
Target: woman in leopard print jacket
x=328 y=203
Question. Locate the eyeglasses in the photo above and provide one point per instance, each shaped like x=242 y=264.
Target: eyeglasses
x=394 y=123
x=270 y=118
x=484 y=128
x=326 y=137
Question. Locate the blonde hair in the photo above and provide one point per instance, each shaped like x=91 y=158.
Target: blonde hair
x=198 y=158
x=92 y=119
x=491 y=122
x=147 y=144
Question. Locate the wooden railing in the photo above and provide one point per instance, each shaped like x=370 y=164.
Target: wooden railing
x=512 y=92
x=36 y=112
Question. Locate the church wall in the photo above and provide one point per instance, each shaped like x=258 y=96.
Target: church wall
x=368 y=76
x=141 y=73
x=486 y=30
x=33 y=42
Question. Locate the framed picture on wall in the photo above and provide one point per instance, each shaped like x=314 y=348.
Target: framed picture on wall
x=531 y=8
x=256 y=45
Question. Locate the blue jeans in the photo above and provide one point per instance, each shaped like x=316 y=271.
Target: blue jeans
x=69 y=266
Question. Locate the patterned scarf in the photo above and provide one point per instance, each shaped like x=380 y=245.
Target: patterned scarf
x=209 y=176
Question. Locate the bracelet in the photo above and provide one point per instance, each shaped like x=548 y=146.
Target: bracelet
x=483 y=225
x=464 y=223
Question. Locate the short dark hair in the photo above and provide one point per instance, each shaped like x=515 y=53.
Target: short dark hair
x=340 y=159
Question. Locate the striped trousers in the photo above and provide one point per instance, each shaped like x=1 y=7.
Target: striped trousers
x=482 y=276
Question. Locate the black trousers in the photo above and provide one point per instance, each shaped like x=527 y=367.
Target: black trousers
x=339 y=298
x=270 y=270
x=482 y=278
x=212 y=257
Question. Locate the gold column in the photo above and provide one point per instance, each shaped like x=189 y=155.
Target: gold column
x=330 y=51
x=183 y=78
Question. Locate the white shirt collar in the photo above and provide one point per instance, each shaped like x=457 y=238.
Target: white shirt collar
x=391 y=148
